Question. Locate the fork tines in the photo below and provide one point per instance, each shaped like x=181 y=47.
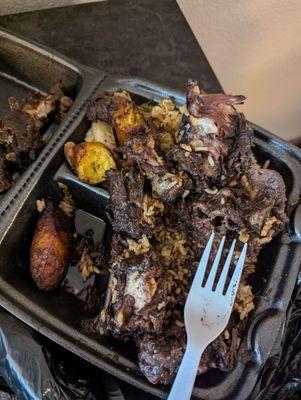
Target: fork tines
x=221 y=282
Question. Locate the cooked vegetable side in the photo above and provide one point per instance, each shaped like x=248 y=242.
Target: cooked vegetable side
x=51 y=248
x=90 y=160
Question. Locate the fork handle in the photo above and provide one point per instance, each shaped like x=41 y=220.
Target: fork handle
x=183 y=384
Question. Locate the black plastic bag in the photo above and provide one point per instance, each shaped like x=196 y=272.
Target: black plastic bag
x=280 y=378
x=5 y=391
x=22 y=363
x=35 y=368
x=81 y=380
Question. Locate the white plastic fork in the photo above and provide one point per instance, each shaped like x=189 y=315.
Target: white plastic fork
x=206 y=314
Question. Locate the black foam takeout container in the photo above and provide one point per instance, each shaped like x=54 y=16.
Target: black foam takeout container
x=26 y=66
x=59 y=315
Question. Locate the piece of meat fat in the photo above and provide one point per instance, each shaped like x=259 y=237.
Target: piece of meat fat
x=140 y=288
x=137 y=287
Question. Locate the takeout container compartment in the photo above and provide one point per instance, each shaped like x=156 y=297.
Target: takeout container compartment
x=59 y=315
x=26 y=66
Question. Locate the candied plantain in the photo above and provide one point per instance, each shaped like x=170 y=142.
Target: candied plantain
x=50 y=248
x=119 y=111
x=91 y=161
x=127 y=119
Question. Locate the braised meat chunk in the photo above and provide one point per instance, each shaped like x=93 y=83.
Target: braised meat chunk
x=206 y=133
x=20 y=130
x=267 y=195
x=240 y=157
x=166 y=186
x=40 y=107
x=161 y=354
x=19 y=138
x=126 y=203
